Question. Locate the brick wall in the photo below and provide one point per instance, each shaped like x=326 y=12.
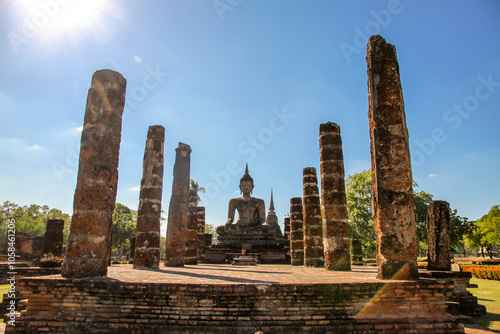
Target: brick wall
x=106 y=306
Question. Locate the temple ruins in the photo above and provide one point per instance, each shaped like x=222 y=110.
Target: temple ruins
x=438 y=236
x=392 y=194
x=89 y=245
x=336 y=237
x=178 y=211
x=250 y=232
x=52 y=251
x=313 y=229
x=286 y=289
x=296 y=232
x=147 y=240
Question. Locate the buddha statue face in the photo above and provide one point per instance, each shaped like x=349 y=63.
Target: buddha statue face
x=246 y=187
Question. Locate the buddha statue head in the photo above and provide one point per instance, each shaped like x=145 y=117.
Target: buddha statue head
x=246 y=182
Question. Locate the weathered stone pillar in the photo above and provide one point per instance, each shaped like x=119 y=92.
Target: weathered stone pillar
x=147 y=242
x=208 y=239
x=286 y=223
x=313 y=229
x=191 y=255
x=132 y=248
x=336 y=237
x=89 y=243
x=296 y=232
x=356 y=252
x=200 y=214
x=392 y=195
x=438 y=236
x=52 y=244
x=178 y=208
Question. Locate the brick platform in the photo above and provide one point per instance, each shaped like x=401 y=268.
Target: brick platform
x=227 y=299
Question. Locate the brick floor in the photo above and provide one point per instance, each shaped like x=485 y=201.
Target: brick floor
x=227 y=274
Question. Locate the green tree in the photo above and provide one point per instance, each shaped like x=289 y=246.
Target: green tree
x=460 y=229
x=359 y=208
x=31 y=219
x=487 y=232
x=124 y=228
x=195 y=186
x=210 y=229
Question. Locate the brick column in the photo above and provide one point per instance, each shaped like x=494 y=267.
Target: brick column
x=178 y=208
x=392 y=194
x=191 y=255
x=147 y=245
x=336 y=237
x=132 y=248
x=52 y=244
x=356 y=252
x=313 y=229
x=438 y=236
x=286 y=224
x=296 y=232
x=200 y=214
x=89 y=243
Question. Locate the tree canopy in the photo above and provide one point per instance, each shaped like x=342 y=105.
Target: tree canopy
x=487 y=232
x=31 y=219
x=359 y=207
x=124 y=228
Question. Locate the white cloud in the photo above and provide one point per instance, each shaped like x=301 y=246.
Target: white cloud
x=78 y=129
x=432 y=175
x=136 y=188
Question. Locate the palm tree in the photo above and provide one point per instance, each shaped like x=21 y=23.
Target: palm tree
x=195 y=186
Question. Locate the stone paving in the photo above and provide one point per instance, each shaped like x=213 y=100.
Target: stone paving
x=227 y=274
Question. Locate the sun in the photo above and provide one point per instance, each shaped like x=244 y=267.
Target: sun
x=69 y=22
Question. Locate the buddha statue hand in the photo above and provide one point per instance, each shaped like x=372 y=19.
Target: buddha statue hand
x=228 y=225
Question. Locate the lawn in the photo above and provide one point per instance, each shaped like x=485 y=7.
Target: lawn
x=488 y=294
x=3 y=289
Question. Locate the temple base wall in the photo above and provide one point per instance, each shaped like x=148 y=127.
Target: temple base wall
x=59 y=305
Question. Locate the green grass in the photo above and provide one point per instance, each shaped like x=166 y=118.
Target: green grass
x=3 y=289
x=488 y=294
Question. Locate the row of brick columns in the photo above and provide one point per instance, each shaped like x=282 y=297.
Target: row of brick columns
x=392 y=193
x=319 y=233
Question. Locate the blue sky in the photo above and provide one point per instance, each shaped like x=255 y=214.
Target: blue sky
x=248 y=82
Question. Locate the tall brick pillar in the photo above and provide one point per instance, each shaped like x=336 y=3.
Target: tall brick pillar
x=191 y=255
x=178 y=208
x=200 y=215
x=132 y=248
x=147 y=242
x=296 y=232
x=52 y=244
x=392 y=194
x=313 y=228
x=438 y=236
x=336 y=237
x=89 y=244
x=286 y=224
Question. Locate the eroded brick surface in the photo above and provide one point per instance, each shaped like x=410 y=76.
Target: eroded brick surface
x=89 y=243
x=273 y=299
x=178 y=208
x=313 y=227
x=296 y=232
x=392 y=195
x=336 y=239
x=438 y=236
x=147 y=240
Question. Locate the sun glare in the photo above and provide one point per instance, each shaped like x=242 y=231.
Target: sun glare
x=69 y=22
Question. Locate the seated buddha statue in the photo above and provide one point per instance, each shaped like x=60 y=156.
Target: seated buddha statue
x=251 y=210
